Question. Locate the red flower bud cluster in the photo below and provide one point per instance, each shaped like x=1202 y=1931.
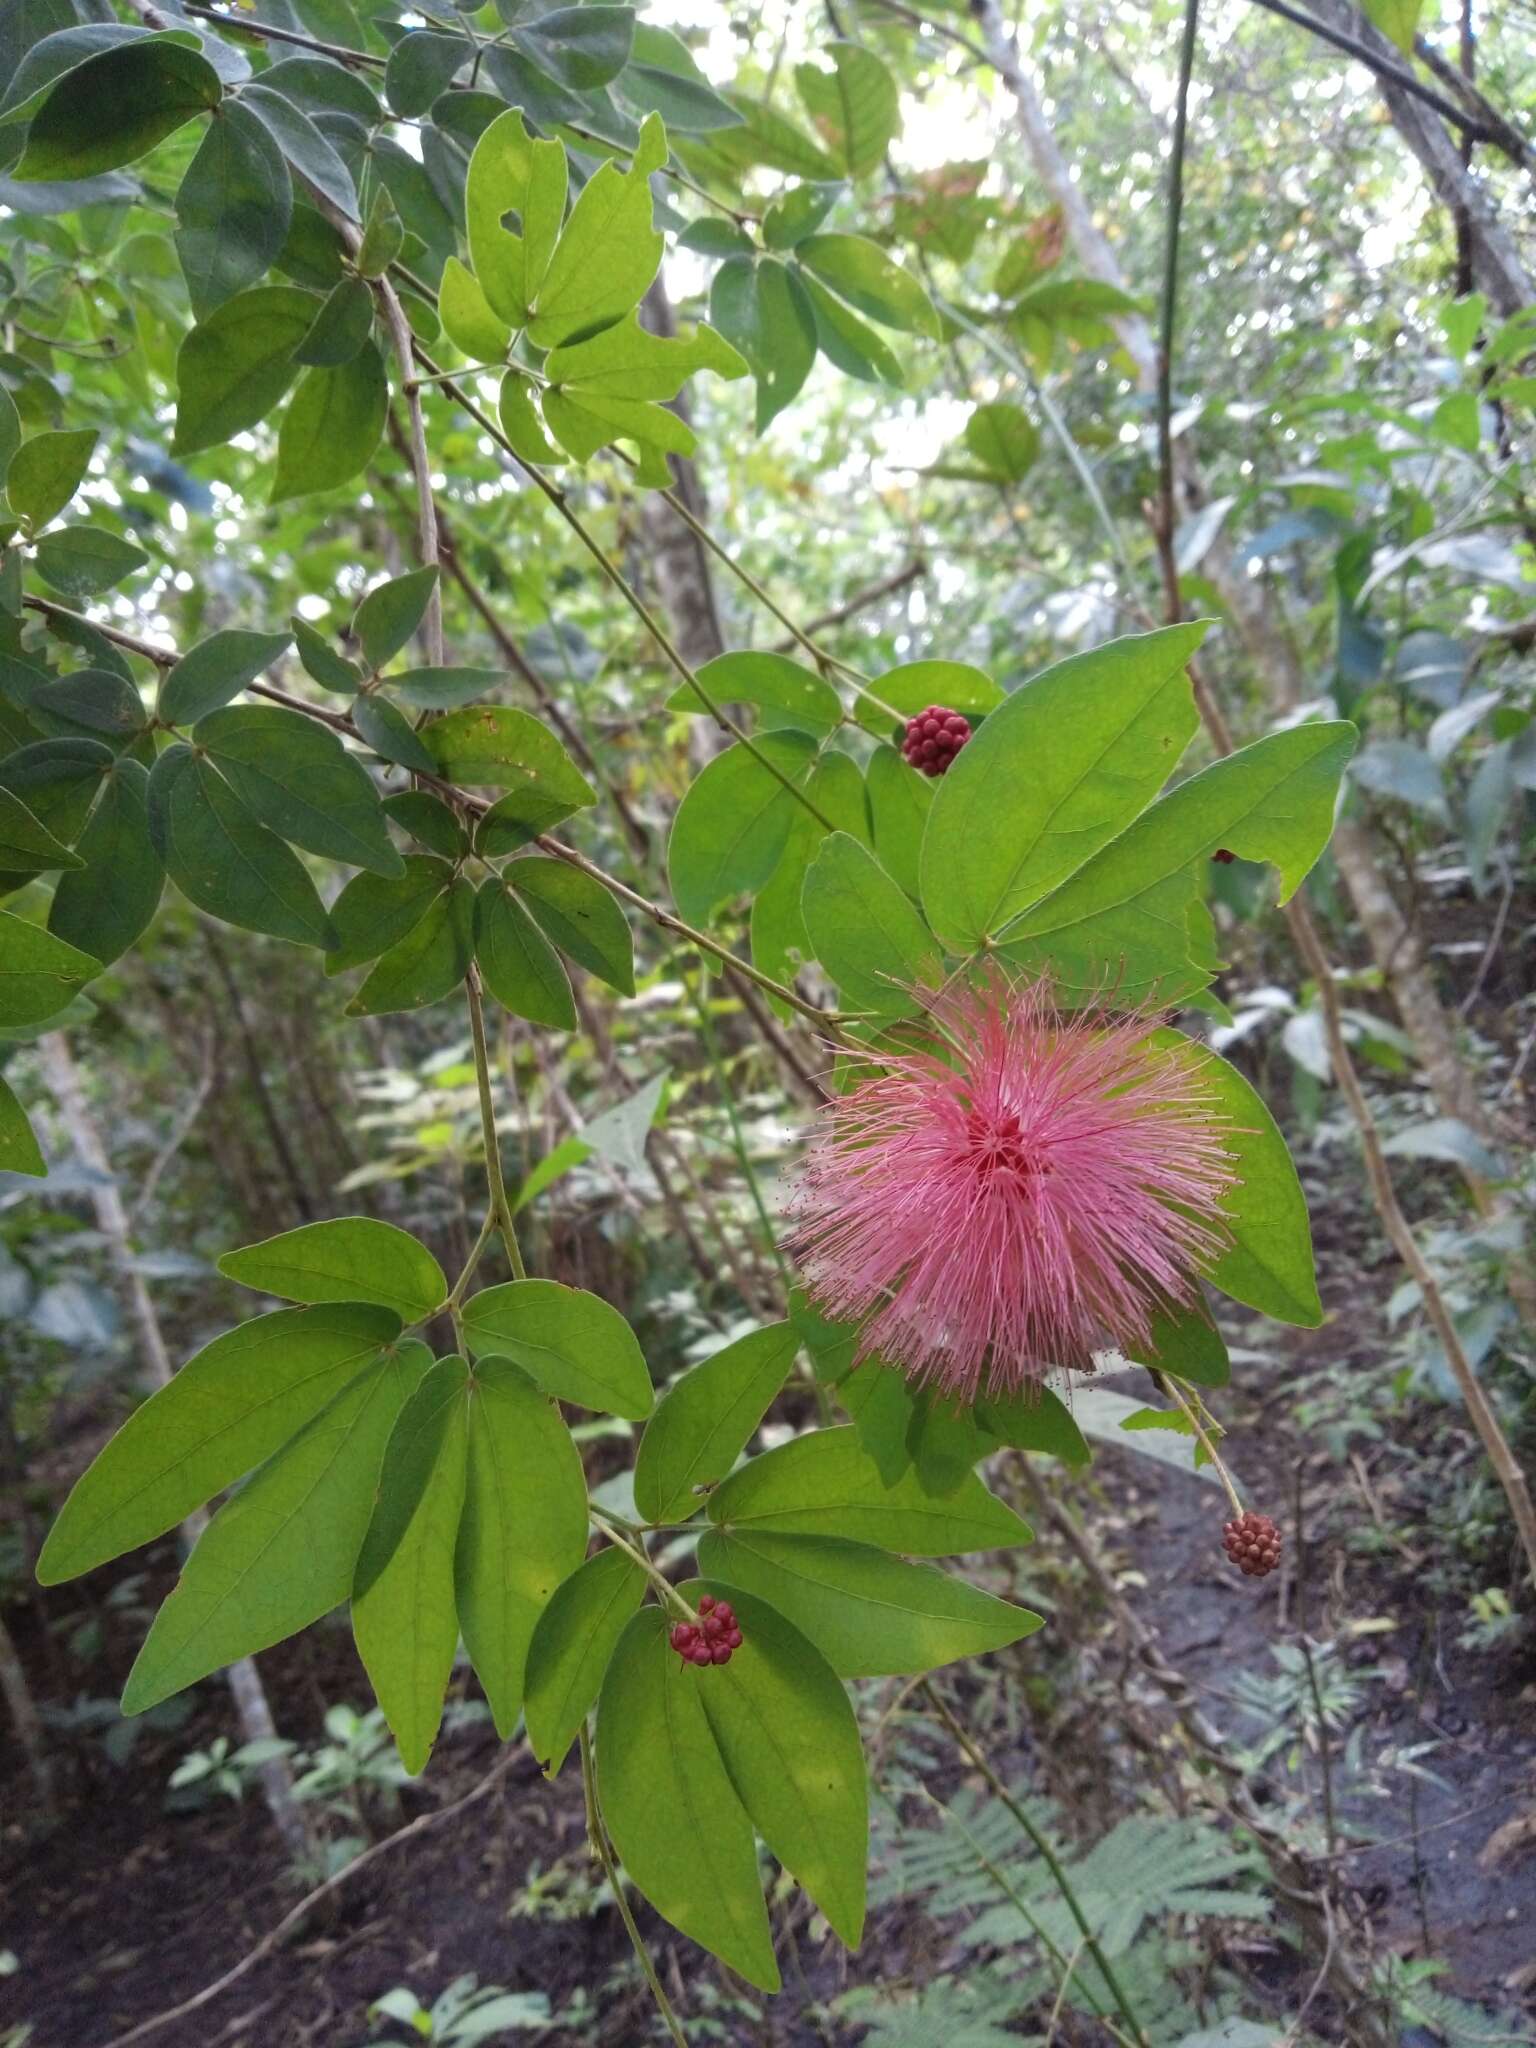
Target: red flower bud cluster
x=1253 y=1544
x=933 y=739
x=712 y=1639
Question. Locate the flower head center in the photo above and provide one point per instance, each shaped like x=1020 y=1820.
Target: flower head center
x=998 y=1145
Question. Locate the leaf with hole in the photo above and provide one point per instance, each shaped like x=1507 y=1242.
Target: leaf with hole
x=608 y=252
x=512 y=173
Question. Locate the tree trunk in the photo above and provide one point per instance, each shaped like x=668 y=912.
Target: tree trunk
x=254 y=1713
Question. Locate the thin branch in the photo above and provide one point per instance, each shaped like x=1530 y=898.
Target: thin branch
x=861 y=600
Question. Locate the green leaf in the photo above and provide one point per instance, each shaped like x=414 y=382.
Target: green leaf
x=19 y=1149
x=348 y=1258
x=57 y=779
x=572 y=1644
x=225 y=861
x=1053 y=774
x=298 y=778
x=390 y=614
x=383 y=235
x=520 y=967
x=27 y=847
x=861 y=272
x=579 y=914
x=766 y=137
x=233 y=209
x=428 y=819
x=467 y=317
x=332 y=425
x=45 y=474
x=83 y=561
x=609 y=251
x=301 y=142
x=582 y=47
x=846 y=340
x=790 y=1745
x=234 y=366
x=865 y=932
x=735 y=821
x=917 y=684
x=869 y=1614
x=1004 y=440
x=105 y=906
x=854 y=107
x=332 y=671
x=385 y=727
x=824 y=1484
x=214 y=671
x=372 y=914
x=503 y=748
x=230 y=1407
x=762 y=309
x=511 y=173
x=1127 y=908
x=1398 y=20
x=614 y=385
x=784 y=693
x=39 y=974
x=116 y=106
x=523 y=1531
x=403 y=1616
x=662 y=77
x=1034 y=1421
x=341 y=327
x=899 y=802
x=521 y=423
x=96 y=702
x=703 y=1424
x=421 y=67
x=573 y=1344
x=680 y=1829
x=429 y=962
x=282 y=1552
x=1269 y=1265
x=1186 y=1343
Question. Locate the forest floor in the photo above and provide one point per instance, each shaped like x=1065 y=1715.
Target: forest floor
x=128 y=1907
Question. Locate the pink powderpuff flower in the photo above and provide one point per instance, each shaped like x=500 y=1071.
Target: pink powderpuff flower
x=1040 y=1193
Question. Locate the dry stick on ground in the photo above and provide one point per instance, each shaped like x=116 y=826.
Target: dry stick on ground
x=112 y=1219
x=297 y=1915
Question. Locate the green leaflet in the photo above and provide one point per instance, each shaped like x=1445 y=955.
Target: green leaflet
x=390 y=614
x=467 y=318
x=349 y=1258
x=608 y=252
x=573 y=1344
x=860 y=272
x=579 y=914
x=868 y=1613
x=1081 y=749
x=403 y=1615
x=899 y=802
x=824 y=1484
x=224 y=859
x=572 y=1643
x=45 y=473
x=1188 y=1344
x=734 y=822
x=341 y=326
x=784 y=692
x=282 y=1551
x=524 y=1526
x=83 y=561
x=855 y=107
x=790 y=1744
x=1035 y=1421
x=235 y=1403
x=917 y=684
x=668 y=1801
x=114 y=107
x=216 y=670
x=865 y=932
x=373 y=914
x=429 y=962
x=613 y=384
x=501 y=748
x=234 y=366
x=300 y=781
x=510 y=173
x=519 y=966
x=39 y=974
x=332 y=425
x=702 y=1425
x=761 y=307
x=19 y=1149
x=106 y=904
x=233 y=209
x=27 y=847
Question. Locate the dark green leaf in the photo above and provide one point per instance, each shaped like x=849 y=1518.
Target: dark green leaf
x=579 y=914
x=56 y=780
x=19 y=1149
x=105 y=908
x=445 y=689
x=869 y=1614
x=116 y=106
x=428 y=963
x=799 y=213
x=332 y=671
x=224 y=860
x=214 y=671
x=83 y=561
x=421 y=66
x=341 y=327
x=861 y=272
x=1037 y=1420
x=27 y=847
x=299 y=780
x=784 y=693
x=390 y=614
x=571 y=1647
x=233 y=209
x=46 y=472
x=523 y=1531
x=582 y=47
x=332 y=425
x=96 y=703
x=232 y=1405
x=385 y=727
x=301 y=142
x=372 y=914
x=519 y=966
x=865 y=932
x=429 y=820
x=349 y=1258
x=662 y=78
x=703 y=1424
x=762 y=309
x=39 y=974
x=848 y=341
x=676 y=1821
x=234 y=367
x=502 y=748
x=734 y=822
x=574 y=1344
x=1187 y=1344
